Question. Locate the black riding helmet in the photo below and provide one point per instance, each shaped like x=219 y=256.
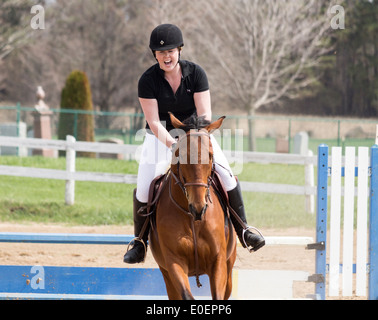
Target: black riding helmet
x=166 y=37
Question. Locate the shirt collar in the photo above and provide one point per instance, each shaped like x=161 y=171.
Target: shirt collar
x=184 y=69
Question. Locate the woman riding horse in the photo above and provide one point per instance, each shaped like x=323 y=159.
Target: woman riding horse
x=181 y=87
x=191 y=235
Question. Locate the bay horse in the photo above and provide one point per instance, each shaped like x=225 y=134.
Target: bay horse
x=191 y=234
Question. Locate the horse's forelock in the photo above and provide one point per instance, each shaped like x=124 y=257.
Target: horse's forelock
x=195 y=122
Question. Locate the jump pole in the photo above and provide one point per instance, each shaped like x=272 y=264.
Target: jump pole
x=373 y=228
x=321 y=221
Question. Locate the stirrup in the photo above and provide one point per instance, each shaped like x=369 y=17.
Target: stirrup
x=144 y=245
x=250 y=249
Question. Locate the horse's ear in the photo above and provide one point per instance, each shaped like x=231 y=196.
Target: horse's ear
x=175 y=122
x=215 y=125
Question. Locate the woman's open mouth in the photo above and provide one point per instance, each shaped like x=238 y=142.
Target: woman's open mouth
x=168 y=63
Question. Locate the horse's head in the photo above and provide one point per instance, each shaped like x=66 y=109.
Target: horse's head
x=193 y=160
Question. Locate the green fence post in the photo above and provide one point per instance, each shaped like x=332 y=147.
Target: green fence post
x=75 y=125
x=18 y=118
x=338 y=133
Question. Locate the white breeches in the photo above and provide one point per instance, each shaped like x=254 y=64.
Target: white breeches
x=155 y=160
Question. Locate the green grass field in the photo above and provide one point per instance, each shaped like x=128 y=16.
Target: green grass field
x=42 y=200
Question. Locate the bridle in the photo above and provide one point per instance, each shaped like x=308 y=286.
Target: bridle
x=180 y=181
x=183 y=185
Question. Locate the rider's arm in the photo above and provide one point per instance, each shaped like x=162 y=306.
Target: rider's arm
x=150 y=110
x=202 y=101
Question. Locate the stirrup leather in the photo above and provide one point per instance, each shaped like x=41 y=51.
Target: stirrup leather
x=249 y=248
x=132 y=243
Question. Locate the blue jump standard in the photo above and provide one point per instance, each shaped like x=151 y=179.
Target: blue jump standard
x=321 y=222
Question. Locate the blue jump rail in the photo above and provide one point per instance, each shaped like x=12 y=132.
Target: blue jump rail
x=88 y=283
x=69 y=238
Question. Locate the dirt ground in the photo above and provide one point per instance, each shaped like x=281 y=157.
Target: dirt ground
x=271 y=257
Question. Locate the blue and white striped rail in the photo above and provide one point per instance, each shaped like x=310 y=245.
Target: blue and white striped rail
x=89 y=283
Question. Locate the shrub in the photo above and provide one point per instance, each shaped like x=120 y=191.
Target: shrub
x=76 y=95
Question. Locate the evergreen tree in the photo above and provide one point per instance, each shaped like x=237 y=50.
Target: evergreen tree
x=76 y=95
x=354 y=75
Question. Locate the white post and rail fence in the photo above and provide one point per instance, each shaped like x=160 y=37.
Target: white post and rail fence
x=337 y=274
x=70 y=175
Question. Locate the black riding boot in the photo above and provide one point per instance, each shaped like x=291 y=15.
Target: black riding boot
x=138 y=252
x=251 y=239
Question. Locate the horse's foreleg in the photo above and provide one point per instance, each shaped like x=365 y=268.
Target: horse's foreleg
x=173 y=294
x=219 y=280
x=230 y=264
x=180 y=281
x=228 y=287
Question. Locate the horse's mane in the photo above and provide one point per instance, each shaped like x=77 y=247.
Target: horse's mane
x=194 y=122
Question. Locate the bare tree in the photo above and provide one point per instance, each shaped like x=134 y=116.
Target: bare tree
x=255 y=52
x=185 y=14
x=97 y=37
x=14 y=25
x=264 y=50
x=15 y=31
